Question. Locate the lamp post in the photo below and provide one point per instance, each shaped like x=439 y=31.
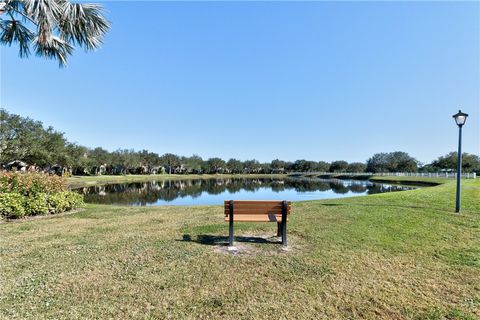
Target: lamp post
x=460 y=119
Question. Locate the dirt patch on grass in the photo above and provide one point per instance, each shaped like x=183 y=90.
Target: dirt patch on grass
x=256 y=244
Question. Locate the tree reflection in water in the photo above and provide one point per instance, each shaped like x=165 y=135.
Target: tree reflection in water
x=158 y=192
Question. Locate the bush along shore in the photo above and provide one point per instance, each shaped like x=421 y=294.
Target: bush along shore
x=32 y=194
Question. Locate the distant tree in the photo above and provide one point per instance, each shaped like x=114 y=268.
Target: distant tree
x=252 y=166
x=356 y=167
x=265 y=167
x=118 y=158
x=289 y=166
x=446 y=162
x=52 y=27
x=13 y=131
x=74 y=155
x=338 y=166
x=402 y=162
x=323 y=166
x=148 y=159
x=378 y=163
x=170 y=161
x=311 y=166
x=277 y=165
x=235 y=166
x=194 y=163
x=215 y=165
x=392 y=162
x=27 y=140
x=126 y=158
x=425 y=168
x=470 y=162
x=99 y=156
x=48 y=149
x=300 y=166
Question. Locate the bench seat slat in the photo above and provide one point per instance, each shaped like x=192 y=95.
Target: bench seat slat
x=255 y=211
x=261 y=207
x=256 y=203
x=240 y=206
x=256 y=218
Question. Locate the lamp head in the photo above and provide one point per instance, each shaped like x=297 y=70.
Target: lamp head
x=460 y=118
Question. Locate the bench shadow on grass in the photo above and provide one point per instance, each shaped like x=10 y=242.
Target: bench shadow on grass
x=215 y=240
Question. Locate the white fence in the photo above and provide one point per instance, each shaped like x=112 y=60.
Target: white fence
x=397 y=174
x=429 y=174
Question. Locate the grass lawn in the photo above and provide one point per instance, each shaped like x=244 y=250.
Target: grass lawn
x=402 y=255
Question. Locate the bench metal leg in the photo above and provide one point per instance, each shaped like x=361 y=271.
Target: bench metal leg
x=230 y=226
x=230 y=232
x=284 y=223
x=279 y=229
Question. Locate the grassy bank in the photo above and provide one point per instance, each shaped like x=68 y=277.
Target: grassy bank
x=84 y=181
x=412 y=180
x=393 y=179
x=402 y=255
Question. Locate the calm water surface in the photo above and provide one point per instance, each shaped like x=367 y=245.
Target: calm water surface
x=215 y=191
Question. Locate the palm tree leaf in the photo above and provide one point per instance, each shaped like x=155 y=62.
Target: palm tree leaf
x=53 y=48
x=60 y=25
x=43 y=11
x=83 y=24
x=16 y=4
x=13 y=31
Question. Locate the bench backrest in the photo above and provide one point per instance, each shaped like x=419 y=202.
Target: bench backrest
x=257 y=210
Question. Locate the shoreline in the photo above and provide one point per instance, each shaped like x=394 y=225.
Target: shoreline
x=76 y=182
x=88 y=181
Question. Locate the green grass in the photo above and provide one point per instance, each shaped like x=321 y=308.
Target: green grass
x=414 y=180
x=402 y=255
x=83 y=181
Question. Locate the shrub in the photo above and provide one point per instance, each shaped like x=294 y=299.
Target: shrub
x=74 y=199
x=65 y=200
x=57 y=203
x=36 y=205
x=35 y=194
x=11 y=205
x=29 y=184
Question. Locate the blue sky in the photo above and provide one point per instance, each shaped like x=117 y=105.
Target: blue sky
x=264 y=80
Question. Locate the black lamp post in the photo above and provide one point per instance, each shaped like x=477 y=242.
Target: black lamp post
x=460 y=119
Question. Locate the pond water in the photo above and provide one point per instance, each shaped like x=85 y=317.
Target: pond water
x=215 y=191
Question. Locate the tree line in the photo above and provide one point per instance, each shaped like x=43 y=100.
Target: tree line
x=25 y=144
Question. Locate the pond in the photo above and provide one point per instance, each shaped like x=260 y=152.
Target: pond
x=215 y=191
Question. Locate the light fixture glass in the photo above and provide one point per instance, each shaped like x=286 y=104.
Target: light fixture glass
x=460 y=118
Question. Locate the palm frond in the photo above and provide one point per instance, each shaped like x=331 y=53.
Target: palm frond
x=53 y=48
x=60 y=24
x=17 y=5
x=42 y=10
x=83 y=24
x=13 y=31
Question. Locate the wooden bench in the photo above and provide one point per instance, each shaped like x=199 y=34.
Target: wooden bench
x=258 y=211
